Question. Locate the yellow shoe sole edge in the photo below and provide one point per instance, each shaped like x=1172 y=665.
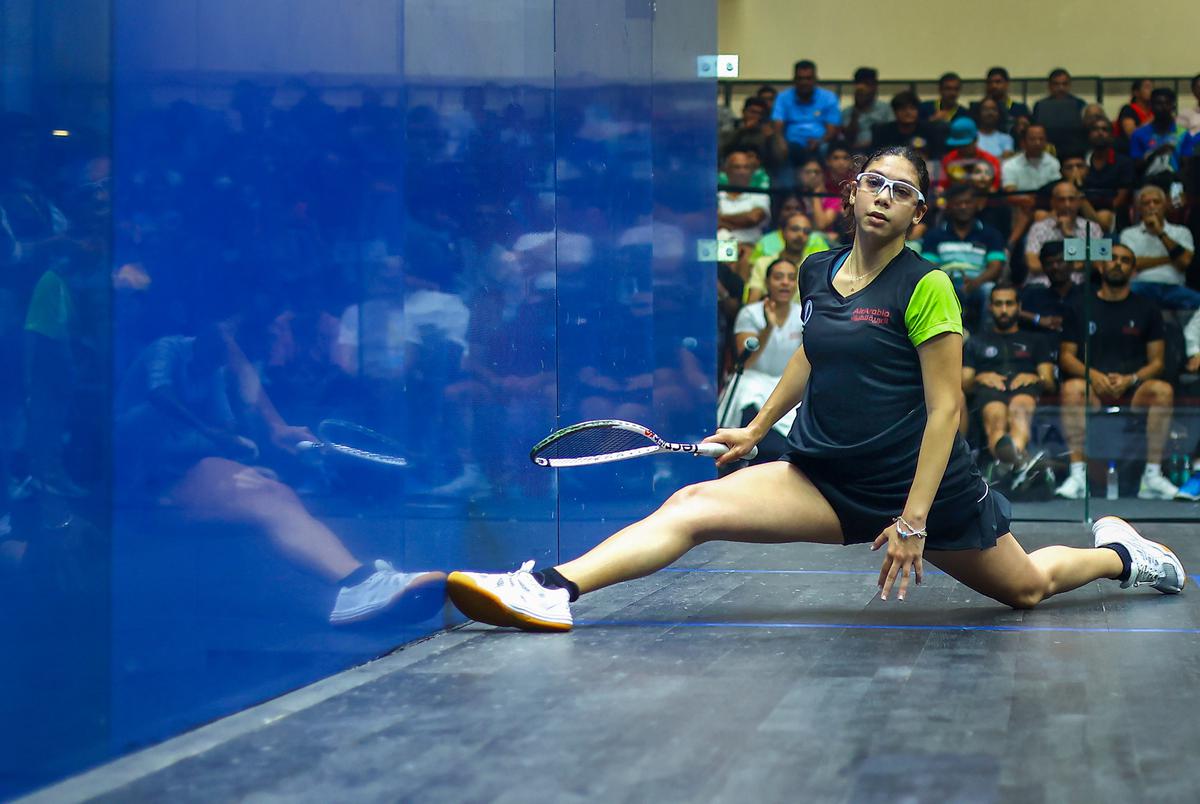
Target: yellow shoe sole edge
x=483 y=606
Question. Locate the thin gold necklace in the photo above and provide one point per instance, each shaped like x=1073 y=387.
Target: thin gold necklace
x=854 y=280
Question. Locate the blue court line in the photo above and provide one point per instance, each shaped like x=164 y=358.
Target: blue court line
x=1051 y=629
x=1195 y=578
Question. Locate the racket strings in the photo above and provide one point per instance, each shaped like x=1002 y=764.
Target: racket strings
x=361 y=442
x=592 y=442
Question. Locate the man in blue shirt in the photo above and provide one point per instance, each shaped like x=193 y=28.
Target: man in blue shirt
x=1155 y=145
x=970 y=251
x=807 y=116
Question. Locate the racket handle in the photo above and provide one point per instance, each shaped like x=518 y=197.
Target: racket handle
x=711 y=449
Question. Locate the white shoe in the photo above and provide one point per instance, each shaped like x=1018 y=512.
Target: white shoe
x=384 y=589
x=510 y=599
x=471 y=480
x=1156 y=487
x=1151 y=563
x=1075 y=487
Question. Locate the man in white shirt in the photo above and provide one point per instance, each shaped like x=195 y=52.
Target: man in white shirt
x=1163 y=250
x=1028 y=171
x=1190 y=118
x=744 y=215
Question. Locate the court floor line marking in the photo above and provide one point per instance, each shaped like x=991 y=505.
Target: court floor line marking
x=1051 y=629
x=1195 y=578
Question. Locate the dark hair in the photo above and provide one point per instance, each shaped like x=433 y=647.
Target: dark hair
x=766 y=88
x=1056 y=72
x=1071 y=153
x=838 y=145
x=1052 y=250
x=866 y=74
x=803 y=64
x=1137 y=82
x=1004 y=284
x=1195 y=78
x=904 y=152
x=959 y=189
x=786 y=219
x=1000 y=71
x=905 y=98
x=1163 y=92
x=740 y=149
x=767 y=275
x=752 y=101
x=949 y=77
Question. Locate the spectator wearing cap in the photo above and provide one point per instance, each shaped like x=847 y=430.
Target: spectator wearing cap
x=908 y=128
x=1061 y=113
x=1163 y=252
x=991 y=139
x=1065 y=202
x=966 y=157
x=946 y=109
x=1110 y=173
x=1044 y=306
x=1155 y=145
x=997 y=89
x=970 y=251
x=805 y=114
x=867 y=111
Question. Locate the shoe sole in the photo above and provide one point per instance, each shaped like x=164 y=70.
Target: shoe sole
x=1160 y=545
x=483 y=606
x=420 y=584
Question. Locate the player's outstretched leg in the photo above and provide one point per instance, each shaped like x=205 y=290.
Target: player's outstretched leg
x=1006 y=573
x=770 y=503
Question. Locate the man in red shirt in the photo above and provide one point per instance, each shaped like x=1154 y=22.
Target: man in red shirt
x=966 y=157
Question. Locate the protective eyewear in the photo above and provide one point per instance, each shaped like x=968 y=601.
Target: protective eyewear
x=901 y=191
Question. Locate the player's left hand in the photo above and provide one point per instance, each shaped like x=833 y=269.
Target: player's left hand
x=286 y=437
x=903 y=560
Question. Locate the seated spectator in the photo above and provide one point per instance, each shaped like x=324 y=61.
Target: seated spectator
x=1163 y=252
x=1029 y=170
x=867 y=111
x=1044 y=307
x=839 y=167
x=1091 y=113
x=754 y=132
x=1061 y=113
x=1065 y=222
x=1191 y=340
x=1004 y=373
x=799 y=240
x=1075 y=170
x=966 y=157
x=908 y=129
x=1154 y=145
x=1126 y=351
x=1010 y=110
x=946 y=109
x=776 y=322
x=824 y=206
x=767 y=94
x=1110 y=174
x=1190 y=118
x=772 y=242
x=744 y=215
x=972 y=253
x=1134 y=114
x=991 y=139
x=806 y=115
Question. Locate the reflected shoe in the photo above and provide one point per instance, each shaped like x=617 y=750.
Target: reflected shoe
x=1075 y=487
x=471 y=481
x=510 y=599
x=1005 y=450
x=1150 y=562
x=1190 y=490
x=1027 y=468
x=379 y=593
x=1156 y=487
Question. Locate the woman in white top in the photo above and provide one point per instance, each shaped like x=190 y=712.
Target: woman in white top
x=776 y=322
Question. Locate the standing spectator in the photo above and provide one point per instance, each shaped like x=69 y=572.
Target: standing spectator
x=743 y=215
x=867 y=111
x=806 y=115
x=1110 y=174
x=972 y=253
x=1127 y=356
x=946 y=109
x=908 y=129
x=1065 y=200
x=1061 y=113
x=997 y=90
x=799 y=240
x=1190 y=118
x=1043 y=308
x=965 y=158
x=991 y=139
x=1163 y=252
x=1154 y=145
x=1134 y=114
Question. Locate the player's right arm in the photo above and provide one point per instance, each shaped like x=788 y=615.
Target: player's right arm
x=786 y=396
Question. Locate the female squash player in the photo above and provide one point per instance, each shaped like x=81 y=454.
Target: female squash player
x=884 y=327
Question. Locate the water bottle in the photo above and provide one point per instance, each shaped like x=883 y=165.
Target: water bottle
x=1111 y=489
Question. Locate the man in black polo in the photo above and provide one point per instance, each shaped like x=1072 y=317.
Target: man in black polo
x=1005 y=370
x=1110 y=175
x=1126 y=353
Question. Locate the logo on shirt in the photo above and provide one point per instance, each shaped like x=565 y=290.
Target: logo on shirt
x=806 y=311
x=872 y=315
x=991 y=352
x=1131 y=328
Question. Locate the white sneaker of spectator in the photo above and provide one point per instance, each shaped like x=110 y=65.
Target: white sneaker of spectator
x=1155 y=486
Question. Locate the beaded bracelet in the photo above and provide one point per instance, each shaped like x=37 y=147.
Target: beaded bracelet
x=907 y=531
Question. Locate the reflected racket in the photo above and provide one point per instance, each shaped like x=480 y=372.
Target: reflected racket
x=352 y=440
x=606 y=440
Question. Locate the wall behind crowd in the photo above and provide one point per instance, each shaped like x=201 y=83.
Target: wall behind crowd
x=1027 y=36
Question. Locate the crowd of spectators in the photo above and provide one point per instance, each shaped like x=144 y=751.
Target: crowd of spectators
x=1010 y=183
